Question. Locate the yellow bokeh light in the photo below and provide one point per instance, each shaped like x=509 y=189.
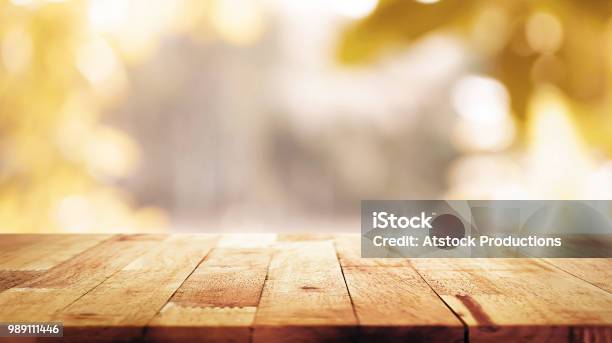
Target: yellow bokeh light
x=355 y=9
x=16 y=49
x=484 y=122
x=487 y=136
x=427 y=1
x=75 y=214
x=108 y=15
x=237 y=21
x=98 y=63
x=558 y=161
x=23 y=2
x=544 y=32
x=105 y=211
x=135 y=26
x=491 y=30
x=110 y=153
x=480 y=99
x=486 y=176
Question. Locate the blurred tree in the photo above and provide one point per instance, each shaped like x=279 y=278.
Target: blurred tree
x=57 y=161
x=524 y=44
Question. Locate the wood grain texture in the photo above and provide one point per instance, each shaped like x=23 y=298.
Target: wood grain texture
x=597 y=271
x=42 y=252
x=523 y=299
x=144 y=286
x=395 y=304
x=349 y=254
x=217 y=303
x=12 y=278
x=40 y=298
x=293 y=288
x=305 y=297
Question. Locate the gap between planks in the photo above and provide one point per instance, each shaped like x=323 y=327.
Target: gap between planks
x=218 y=301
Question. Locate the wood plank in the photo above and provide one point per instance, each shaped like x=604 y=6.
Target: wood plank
x=349 y=254
x=395 y=304
x=519 y=299
x=597 y=271
x=49 y=251
x=247 y=240
x=11 y=278
x=196 y=315
x=40 y=298
x=25 y=257
x=12 y=244
x=217 y=303
x=114 y=290
x=239 y=257
x=305 y=296
x=11 y=241
x=143 y=287
x=222 y=287
x=177 y=323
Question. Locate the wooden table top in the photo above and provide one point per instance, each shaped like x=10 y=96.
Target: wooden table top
x=269 y=288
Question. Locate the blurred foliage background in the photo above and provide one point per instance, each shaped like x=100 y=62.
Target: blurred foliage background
x=264 y=115
x=522 y=44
